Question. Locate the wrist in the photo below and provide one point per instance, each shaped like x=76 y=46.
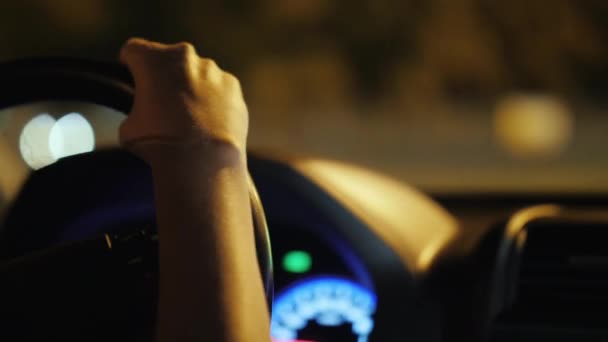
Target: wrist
x=165 y=156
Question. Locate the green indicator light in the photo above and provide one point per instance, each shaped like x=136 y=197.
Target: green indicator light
x=297 y=262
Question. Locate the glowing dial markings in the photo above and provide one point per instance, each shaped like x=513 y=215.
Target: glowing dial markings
x=325 y=302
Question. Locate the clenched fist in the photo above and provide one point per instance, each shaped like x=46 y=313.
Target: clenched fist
x=181 y=100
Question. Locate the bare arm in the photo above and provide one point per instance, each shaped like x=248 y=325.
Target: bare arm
x=189 y=122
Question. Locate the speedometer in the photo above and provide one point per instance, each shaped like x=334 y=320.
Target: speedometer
x=324 y=309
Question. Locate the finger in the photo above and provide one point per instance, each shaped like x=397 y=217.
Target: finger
x=135 y=47
x=151 y=61
x=135 y=54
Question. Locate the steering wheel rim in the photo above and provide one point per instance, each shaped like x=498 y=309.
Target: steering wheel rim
x=110 y=85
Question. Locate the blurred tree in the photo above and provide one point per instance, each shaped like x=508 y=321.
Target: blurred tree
x=544 y=41
x=422 y=51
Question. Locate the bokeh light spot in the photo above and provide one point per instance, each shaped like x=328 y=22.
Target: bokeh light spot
x=72 y=134
x=533 y=126
x=34 y=141
x=297 y=262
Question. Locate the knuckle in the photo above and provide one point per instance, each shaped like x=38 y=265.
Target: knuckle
x=182 y=56
x=231 y=79
x=210 y=70
x=133 y=46
x=209 y=64
x=185 y=49
x=144 y=49
x=135 y=42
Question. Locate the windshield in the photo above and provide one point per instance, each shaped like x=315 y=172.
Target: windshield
x=451 y=96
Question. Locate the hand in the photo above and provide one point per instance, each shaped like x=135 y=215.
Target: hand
x=182 y=101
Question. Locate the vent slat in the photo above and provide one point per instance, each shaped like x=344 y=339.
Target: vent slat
x=562 y=285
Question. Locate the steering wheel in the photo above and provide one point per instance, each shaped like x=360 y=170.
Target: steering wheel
x=100 y=293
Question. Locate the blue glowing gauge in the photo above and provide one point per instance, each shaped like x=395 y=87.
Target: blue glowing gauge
x=320 y=309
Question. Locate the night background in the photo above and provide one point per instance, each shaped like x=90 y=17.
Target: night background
x=465 y=95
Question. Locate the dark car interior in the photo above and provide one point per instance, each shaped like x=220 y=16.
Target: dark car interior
x=458 y=242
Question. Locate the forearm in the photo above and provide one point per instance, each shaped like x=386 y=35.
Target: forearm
x=189 y=122
x=210 y=284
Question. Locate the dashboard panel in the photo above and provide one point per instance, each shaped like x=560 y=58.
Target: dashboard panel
x=336 y=277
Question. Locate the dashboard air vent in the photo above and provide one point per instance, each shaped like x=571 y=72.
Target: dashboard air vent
x=561 y=286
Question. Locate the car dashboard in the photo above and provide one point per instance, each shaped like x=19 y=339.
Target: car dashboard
x=357 y=256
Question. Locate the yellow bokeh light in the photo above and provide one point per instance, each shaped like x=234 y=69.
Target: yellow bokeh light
x=533 y=126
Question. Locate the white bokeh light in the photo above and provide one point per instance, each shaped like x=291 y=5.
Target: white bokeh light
x=71 y=134
x=44 y=140
x=34 y=141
